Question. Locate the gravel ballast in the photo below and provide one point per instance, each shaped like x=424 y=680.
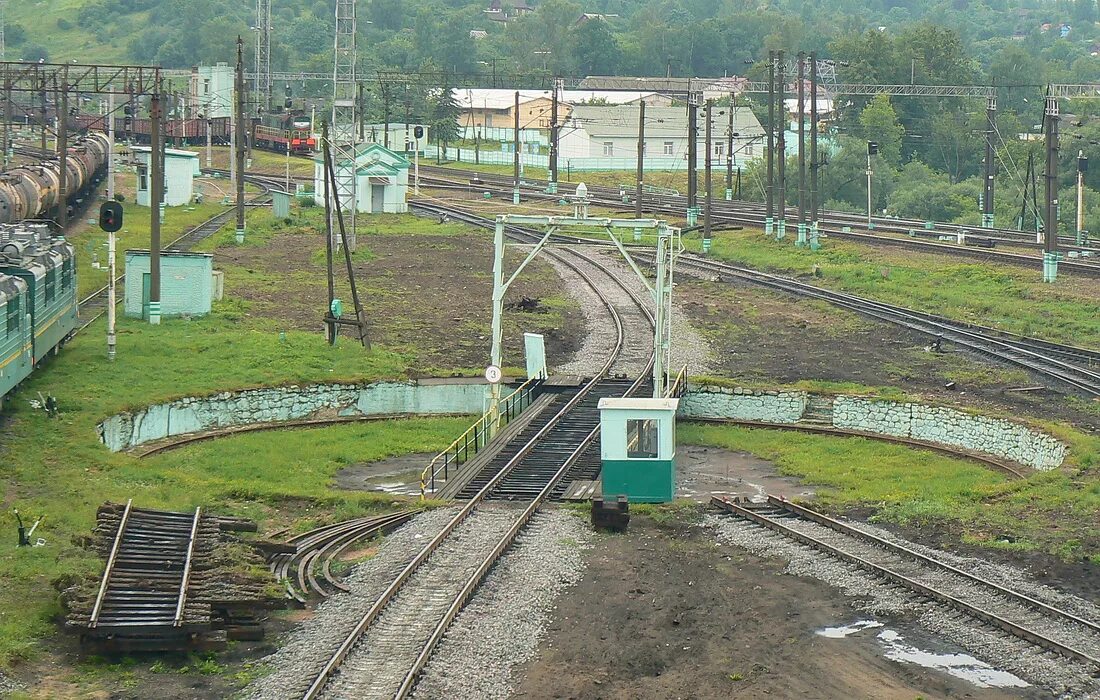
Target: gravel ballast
x=310 y=645
x=503 y=625
x=1060 y=676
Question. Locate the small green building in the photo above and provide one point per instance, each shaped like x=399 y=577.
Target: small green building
x=638 y=448
x=186 y=283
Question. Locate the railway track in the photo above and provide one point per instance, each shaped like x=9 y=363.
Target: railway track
x=909 y=234
x=988 y=603
x=148 y=573
x=387 y=650
x=1069 y=368
x=94 y=305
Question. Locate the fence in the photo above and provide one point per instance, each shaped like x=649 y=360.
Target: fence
x=469 y=443
x=503 y=134
x=565 y=165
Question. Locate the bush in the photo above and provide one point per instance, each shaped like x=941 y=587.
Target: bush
x=64 y=24
x=119 y=197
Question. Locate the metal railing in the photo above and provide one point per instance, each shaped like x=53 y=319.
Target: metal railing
x=469 y=443
x=678 y=386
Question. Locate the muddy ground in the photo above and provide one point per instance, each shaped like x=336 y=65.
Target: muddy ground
x=663 y=612
x=426 y=295
x=764 y=336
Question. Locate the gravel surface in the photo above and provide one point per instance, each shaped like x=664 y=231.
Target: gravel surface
x=689 y=347
x=376 y=667
x=310 y=645
x=1060 y=676
x=503 y=625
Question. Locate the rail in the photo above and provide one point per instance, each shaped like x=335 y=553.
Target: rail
x=185 y=579
x=477 y=435
x=110 y=565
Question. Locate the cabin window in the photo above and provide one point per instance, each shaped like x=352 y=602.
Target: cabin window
x=12 y=314
x=66 y=273
x=51 y=283
x=641 y=439
x=143 y=175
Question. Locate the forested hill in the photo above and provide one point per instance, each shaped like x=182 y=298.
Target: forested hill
x=690 y=37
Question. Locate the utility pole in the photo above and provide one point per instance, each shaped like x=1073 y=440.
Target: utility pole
x=708 y=161
x=990 y=171
x=515 y=151
x=641 y=164
x=7 y=120
x=42 y=95
x=62 y=105
x=729 y=148
x=1050 y=230
x=815 y=163
x=110 y=146
x=801 y=240
x=156 y=190
x=239 y=153
x=553 y=185
x=693 y=144
x=360 y=111
x=1082 y=168
x=770 y=189
x=781 y=203
x=872 y=149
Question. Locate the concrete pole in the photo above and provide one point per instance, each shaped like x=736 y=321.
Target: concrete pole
x=515 y=154
x=1082 y=168
x=111 y=337
x=801 y=240
x=641 y=164
x=239 y=153
x=156 y=188
x=63 y=156
x=693 y=157
x=553 y=185
x=869 y=173
x=209 y=144
x=1050 y=231
x=781 y=200
x=729 y=148
x=110 y=146
x=7 y=121
x=990 y=169
x=708 y=161
x=43 y=97
x=496 y=351
x=815 y=163
x=660 y=378
x=770 y=188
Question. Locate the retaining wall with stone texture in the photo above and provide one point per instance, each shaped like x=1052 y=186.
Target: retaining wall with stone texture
x=275 y=404
x=936 y=424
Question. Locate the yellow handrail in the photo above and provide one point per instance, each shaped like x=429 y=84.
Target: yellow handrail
x=681 y=379
x=429 y=471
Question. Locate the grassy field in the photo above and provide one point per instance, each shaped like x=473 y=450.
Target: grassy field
x=1053 y=512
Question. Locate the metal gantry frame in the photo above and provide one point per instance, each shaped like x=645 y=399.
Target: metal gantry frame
x=669 y=246
x=263 y=55
x=344 y=117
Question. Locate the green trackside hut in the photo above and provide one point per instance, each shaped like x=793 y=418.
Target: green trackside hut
x=186 y=283
x=638 y=448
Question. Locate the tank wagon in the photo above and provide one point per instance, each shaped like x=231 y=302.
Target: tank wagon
x=38 y=305
x=32 y=191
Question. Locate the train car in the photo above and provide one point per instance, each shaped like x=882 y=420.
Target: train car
x=286 y=132
x=180 y=132
x=37 y=298
x=32 y=191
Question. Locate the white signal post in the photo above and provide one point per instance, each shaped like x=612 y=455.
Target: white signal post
x=416 y=163
x=110 y=146
x=111 y=296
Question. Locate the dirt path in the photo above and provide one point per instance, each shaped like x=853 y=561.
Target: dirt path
x=663 y=612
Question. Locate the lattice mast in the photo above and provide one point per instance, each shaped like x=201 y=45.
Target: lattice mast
x=344 y=117
x=263 y=56
x=3 y=21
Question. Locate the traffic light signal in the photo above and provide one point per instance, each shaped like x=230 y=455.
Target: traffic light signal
x=110 y=216
x=872 y=148
x=418 y=132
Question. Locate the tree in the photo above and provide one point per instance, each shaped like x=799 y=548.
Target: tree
x=879 y=123
x=595 y=48
x=444 y=111
x=35 y=53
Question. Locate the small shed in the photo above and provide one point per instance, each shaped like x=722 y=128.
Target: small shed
x=638 y=448
x=180 y=170
x=381 y=179
x=186 y=283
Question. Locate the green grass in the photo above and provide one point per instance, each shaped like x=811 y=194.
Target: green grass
x=1053 y=512
x=1006 y=296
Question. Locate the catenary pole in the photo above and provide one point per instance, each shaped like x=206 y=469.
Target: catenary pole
x=641 y=164
x=801 y=241
x=781 y=155
x=770 y=190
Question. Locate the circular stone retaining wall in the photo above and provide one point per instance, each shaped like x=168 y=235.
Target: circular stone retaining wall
x=275 y=404
x=997 y=437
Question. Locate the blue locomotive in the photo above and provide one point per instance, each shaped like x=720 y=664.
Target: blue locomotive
x=38 y=304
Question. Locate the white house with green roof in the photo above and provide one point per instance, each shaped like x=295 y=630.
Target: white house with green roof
x=381 y=179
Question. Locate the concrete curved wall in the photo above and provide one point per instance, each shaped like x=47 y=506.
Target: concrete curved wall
x=274 y=404
x=941 y=425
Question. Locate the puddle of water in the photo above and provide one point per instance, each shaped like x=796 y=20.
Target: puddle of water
x=963 y=666
x=400 y=488
x=845 y=630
